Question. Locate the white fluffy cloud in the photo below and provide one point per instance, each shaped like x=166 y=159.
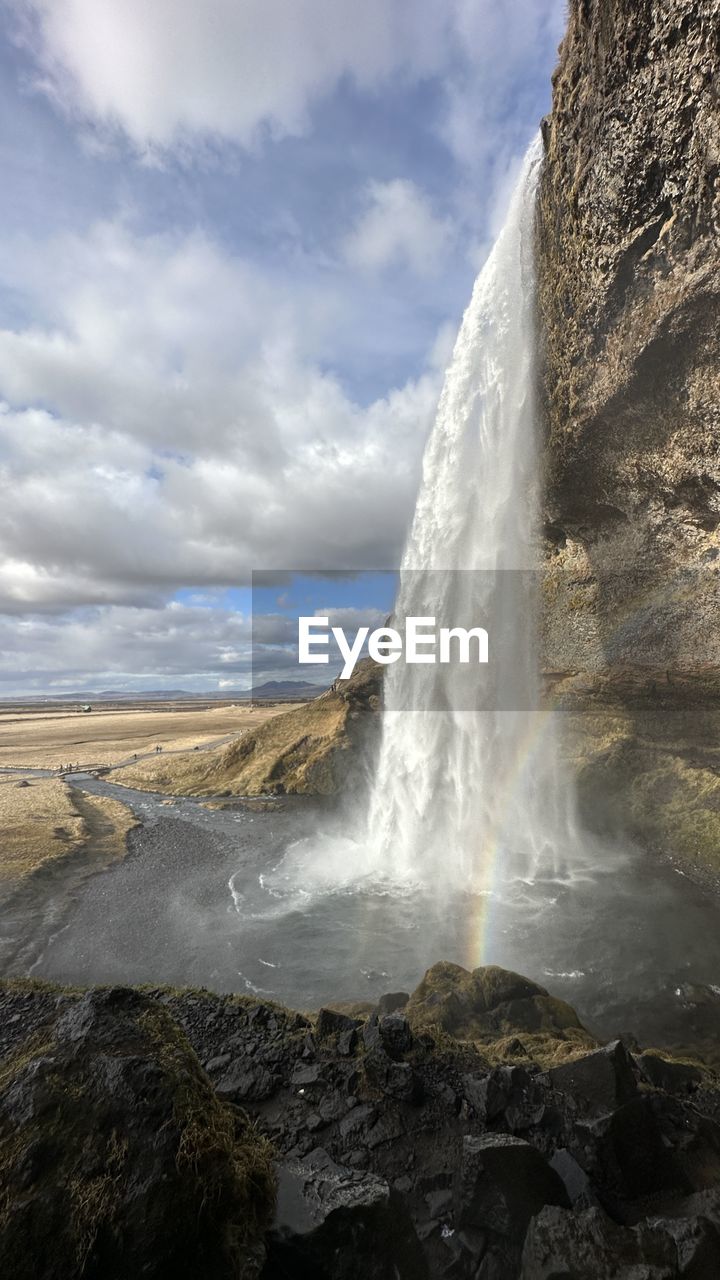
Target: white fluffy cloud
x=176 y=644
x=171 y=72
x=398 y=226
x=176 y=412
x=182 y=431
x=163 y=70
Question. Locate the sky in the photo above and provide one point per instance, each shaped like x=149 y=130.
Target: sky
x=236 y=241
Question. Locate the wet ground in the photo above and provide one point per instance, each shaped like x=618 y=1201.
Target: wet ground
x=201 y=900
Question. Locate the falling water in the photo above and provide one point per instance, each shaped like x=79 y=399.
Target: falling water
x=468 y=788
x=469 y=776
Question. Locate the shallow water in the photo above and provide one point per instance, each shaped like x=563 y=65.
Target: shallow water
x=200 y=901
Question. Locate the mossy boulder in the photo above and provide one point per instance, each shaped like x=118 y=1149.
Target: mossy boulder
x=490 y=1004
x=116 y=1157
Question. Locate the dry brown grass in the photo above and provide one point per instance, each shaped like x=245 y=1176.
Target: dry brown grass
x=45 y=820
x=286 y=749
x=50 y=739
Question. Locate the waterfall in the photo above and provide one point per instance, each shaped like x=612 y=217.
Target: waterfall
x=468 y=773
x=468 y=787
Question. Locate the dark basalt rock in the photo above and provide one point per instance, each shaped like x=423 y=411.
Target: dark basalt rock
x=672 y=1077
x=409 y=1153
x=601 y=1081
x=391 y=1002
x=504 y=1183
x=590 y=1246
x=574 y=1178
x=395 y=1035
x=116 y=1157
x=331 y=1023
x=335 y=1223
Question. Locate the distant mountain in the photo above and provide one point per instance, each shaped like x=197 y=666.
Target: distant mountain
x=278 y=690
x=154 y=695
x=284 y=689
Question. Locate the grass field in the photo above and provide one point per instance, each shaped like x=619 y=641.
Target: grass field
x=50 y=739
x=42 y=821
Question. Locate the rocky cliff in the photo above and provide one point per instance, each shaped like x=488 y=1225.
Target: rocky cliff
x=629 y=311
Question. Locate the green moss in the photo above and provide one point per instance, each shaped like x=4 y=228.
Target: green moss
x=37 y=986
x=34 y=1046
x=91 y=1197
x=490 y=1008
x=85 y=1166
x=212 y=1134
x=678 y=807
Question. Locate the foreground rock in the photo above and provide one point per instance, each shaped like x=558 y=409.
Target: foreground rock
x=116 y=1157
x=511 y=1145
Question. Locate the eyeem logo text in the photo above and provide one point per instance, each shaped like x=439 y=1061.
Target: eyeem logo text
x=421 y=643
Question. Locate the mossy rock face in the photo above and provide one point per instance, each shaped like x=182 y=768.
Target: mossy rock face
x=116 y=1156
x=657 y=781
x=489 y=1003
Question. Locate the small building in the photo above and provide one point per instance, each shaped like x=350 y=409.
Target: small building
x=87 y=707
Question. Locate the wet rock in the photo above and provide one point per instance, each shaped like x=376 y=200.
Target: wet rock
x=391 y=1002
x=395 y=1034
x=589 y=1245
x=630 y=1154
x=574 y=1178
x=504 y=1183
x=305 y=1074
x=103 y=1104
x=347 y=1042
x=394 y=1079
x=334 y=1105
x=388 y=1127
x=357 y=1122
x=336 y=1223
x=456 y=1164
x=672 y=1077
x=332 y=1023
x=601 y=1081
x=244 y=1081
x=371 y=1034
x=217 y=1064
x=508 y=1095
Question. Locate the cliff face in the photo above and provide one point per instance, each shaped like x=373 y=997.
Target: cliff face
x=629 y=295
x=629 y=310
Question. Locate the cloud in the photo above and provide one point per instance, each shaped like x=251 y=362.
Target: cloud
x=168 y=422
x=172 y=74
x=182 y=406
x=398 y=227
x=165 y=71
x=114 y=646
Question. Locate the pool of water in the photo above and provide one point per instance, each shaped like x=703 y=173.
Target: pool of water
x=232 y=899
